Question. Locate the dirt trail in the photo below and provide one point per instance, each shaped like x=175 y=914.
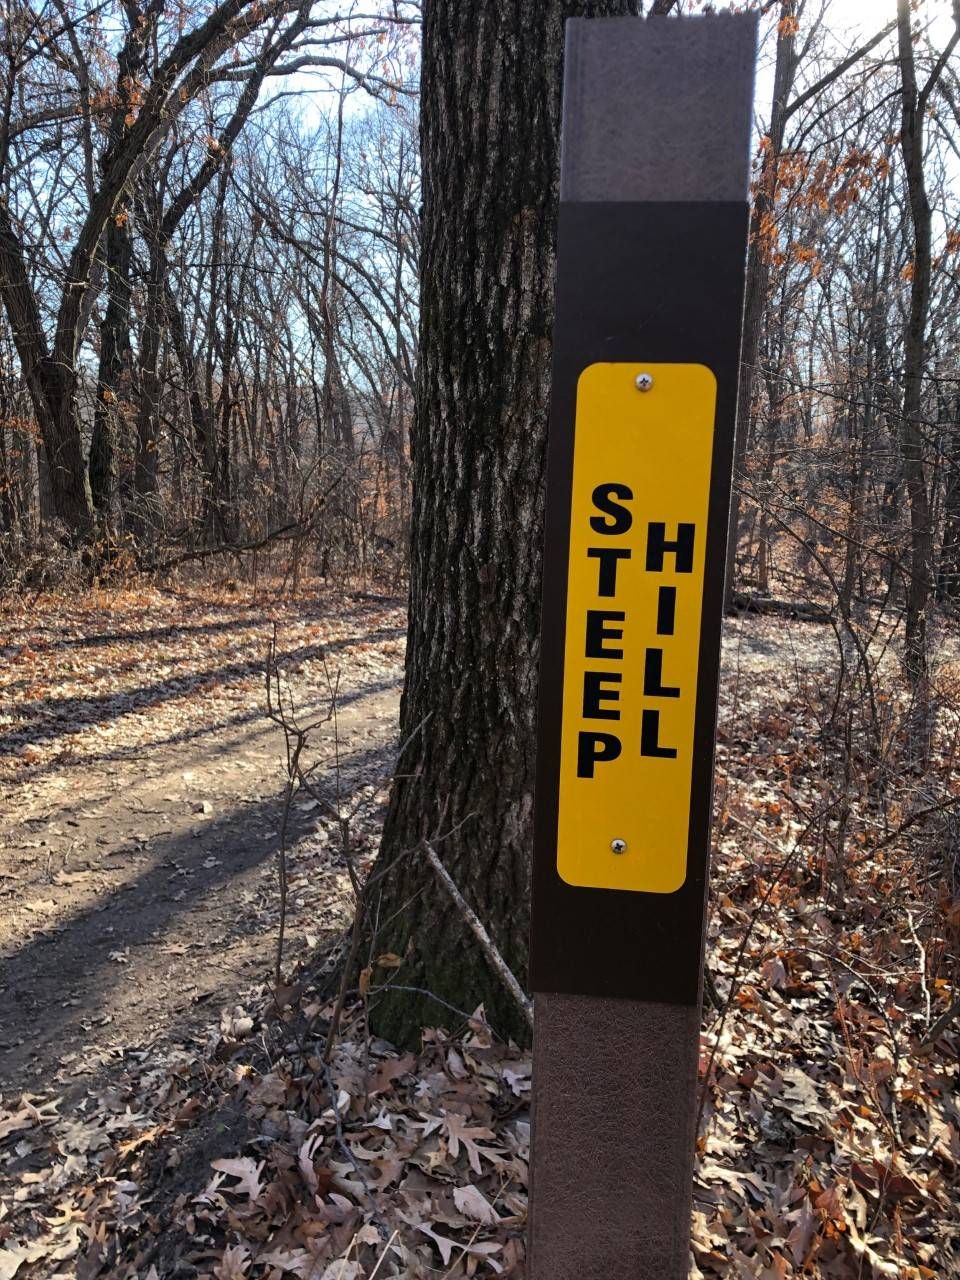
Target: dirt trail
x=141 y=797
x=141 y=785
x=141 y=792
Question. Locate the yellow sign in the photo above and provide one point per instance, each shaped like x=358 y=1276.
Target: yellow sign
x=638 y=527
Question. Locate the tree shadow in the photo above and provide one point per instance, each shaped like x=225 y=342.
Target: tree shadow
x=212 y=728
x=48 y=719
x=151 y=635
x=58 y=984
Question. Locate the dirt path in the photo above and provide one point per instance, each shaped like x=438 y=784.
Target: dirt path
x=162 y=1132
x=141 y=793
x=141 y=797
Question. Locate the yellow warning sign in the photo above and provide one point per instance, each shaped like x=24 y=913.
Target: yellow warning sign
x=638 y=526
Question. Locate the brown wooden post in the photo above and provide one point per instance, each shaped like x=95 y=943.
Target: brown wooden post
x=652 y=241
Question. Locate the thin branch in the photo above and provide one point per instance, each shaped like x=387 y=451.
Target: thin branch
x=486 y=942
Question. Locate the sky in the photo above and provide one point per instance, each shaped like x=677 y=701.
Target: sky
x=850 y=22
x=876 y=13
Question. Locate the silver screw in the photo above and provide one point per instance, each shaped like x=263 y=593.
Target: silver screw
x=643 y=381
x=618 y=846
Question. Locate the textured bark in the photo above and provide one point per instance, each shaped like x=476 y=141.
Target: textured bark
x=948 y=582
x=115 y=356
x=202 y=422
x=51 y=384
x=146 y=480
x=490 y=148
x=911 y=431
x=758 y=271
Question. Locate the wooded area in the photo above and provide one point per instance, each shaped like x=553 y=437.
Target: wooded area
x=275 y=345
x=209 y=286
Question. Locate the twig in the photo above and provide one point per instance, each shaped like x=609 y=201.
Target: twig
x=386 y=1250
x=282 y=862
x=465 y=1248
x=347 y=1150
x=938 y=1028
x=272 y=671
x=358 y=919
x=422 y=991
x=285 y=533
x=480 y=933
x=923 y=966
x=354 y=934
x=893 y=1120
x=295 y=737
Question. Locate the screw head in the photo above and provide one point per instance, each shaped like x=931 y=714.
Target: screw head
x=643 y=381
x=618 y=846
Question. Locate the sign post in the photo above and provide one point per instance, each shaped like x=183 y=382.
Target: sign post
x=652 y=241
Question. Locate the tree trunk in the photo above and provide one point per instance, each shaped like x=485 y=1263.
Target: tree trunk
x=911 y=431
x=490 y=107
x=202 y=423
x=853 y=551
x=51 y=384
x=948 y=582
x=920 y=579
x=146 y=513
x=47 y=512
x=114 y=362
x=762 y=229
x=53 y=393
x=8 y=509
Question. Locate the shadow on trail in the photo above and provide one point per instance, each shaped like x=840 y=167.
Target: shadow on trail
x=209 y=729
x=46 y=719
x=149 y=635
x=74 y=961
x=319 y=608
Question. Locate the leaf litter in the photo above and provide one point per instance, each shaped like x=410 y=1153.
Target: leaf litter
x=830 y=1134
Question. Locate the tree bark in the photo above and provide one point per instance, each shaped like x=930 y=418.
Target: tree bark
x=758 y=270
x=948 y=581
x=146 y=513
x=52 y=387
x=911 y=431
x=115 y=357
x=490 y=105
